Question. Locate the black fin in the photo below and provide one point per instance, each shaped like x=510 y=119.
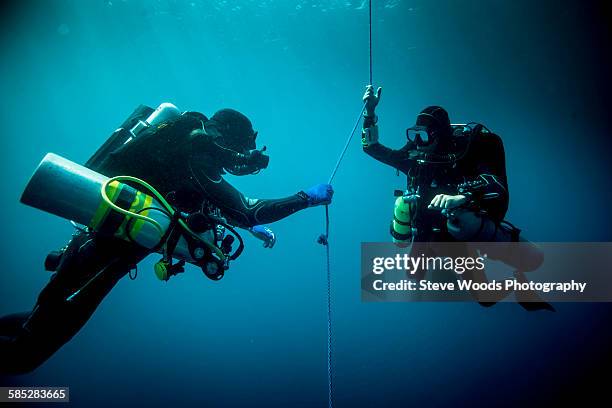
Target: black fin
x=535 y=306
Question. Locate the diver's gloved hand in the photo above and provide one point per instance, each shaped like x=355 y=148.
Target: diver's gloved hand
x=264 y=234
x=371 y=100
x=321 y=194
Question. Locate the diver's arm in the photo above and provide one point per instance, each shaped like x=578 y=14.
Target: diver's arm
x=489 y=189
x=369 y=136
x=400 y=159
x=247 y=212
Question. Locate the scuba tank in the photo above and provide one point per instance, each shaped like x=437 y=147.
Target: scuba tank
x=98 y=160
x=141 y=119
x=164 y=112
x=404 y=212
x=111 y=207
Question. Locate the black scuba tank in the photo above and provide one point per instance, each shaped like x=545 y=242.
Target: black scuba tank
x=144 y=120
x=99 y=160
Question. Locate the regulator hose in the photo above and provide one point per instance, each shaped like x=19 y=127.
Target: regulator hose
x=171 y=211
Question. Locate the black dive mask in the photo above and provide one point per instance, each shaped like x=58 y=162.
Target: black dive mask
x=420 y=135
x=432 y=127
x=250 y=163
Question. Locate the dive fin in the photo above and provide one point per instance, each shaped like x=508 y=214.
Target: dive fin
x=535 y=306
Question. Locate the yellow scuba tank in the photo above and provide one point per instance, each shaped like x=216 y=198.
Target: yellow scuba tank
x=111 y=207
x=402 y=229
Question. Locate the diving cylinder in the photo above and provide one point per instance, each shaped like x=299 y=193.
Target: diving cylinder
x=401 y=226
x=165 y=111
x=69 y=190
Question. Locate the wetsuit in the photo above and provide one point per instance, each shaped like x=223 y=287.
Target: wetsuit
x=480 y=172
x=188 y=172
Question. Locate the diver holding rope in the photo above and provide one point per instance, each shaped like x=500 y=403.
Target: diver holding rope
x=456 y=189
x=183 y=155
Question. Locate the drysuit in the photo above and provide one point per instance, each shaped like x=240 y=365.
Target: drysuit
x=180 y=164
x=479 y=170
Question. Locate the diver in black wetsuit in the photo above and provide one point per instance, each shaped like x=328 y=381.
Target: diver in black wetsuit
x=457 y=189
x=185 y=159
x=446 y=169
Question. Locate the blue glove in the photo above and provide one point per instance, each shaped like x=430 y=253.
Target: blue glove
x=265 y=234
x=321 y=194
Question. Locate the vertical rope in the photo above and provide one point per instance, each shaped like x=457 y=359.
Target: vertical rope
x=324 y=239
x=370 y=26
x=330 y=386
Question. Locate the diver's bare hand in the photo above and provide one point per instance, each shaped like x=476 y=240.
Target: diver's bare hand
x=447 y=202
x=371 y=99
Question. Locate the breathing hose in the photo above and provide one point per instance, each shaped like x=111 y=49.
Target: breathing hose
x=154 y=223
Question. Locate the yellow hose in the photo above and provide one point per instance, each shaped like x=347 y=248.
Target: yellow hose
x=150 y=220
x=125 y=212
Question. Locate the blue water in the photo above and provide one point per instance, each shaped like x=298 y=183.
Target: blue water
x=534 y=72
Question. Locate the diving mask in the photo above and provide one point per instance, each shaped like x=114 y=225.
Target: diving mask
x=419 y=135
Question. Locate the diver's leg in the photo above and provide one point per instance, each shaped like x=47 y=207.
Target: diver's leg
x=521 y=254
x=55 y=319
x=530 y=300
x=11 y=324
x=485 y=298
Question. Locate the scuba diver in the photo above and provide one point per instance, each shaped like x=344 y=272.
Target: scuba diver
x=456 y=190
x=184 y=155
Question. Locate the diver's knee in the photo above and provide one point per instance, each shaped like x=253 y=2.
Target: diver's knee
x=21 y=355
x=471 y=226
x=532 y=257
x=19 y=368
x=465 y=225
x=520 y=253
x=15 y=360
x=10 y=325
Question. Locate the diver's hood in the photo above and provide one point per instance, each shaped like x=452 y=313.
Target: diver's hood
x=432 y=128
x=235 y=129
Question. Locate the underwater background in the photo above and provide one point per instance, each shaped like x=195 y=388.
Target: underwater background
x=535 y=72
